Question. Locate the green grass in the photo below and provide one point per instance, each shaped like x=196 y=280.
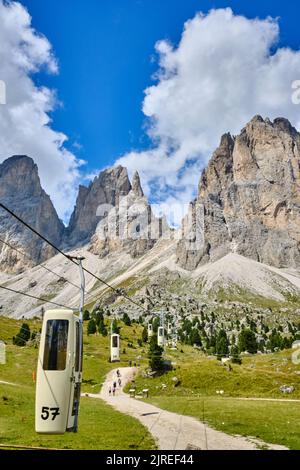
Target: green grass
x=199 y=377
x=237 y=294
x=258 y=376
x=275 y=423
x=97 y=350
x=100 y=426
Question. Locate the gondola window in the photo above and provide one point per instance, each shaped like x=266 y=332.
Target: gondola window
x=56 y=343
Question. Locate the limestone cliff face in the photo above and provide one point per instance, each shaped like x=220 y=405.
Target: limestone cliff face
x=129 y=226
x=133 y=229
x=249 y=197
x=95 y=201
x=21 y=191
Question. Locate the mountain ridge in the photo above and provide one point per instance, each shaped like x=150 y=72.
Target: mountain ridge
x=250 y=199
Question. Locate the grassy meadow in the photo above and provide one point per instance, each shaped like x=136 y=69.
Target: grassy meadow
x=190 y=388
x=199 y=378
x=100 y=426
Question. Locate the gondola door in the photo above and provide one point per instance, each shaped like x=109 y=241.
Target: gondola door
x=75 y=378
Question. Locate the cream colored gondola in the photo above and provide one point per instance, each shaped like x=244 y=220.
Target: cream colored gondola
x=150 y=330
x=115 y=347
x=161 y=336
x=58 y=373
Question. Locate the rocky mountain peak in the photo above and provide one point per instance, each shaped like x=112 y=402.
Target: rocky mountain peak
x=20 y=177
x=250 y=194
x=21 y=191
x=94 y=201
x=136 y=185
x=130 y=226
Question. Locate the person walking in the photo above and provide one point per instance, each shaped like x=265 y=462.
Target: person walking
x=109 y=391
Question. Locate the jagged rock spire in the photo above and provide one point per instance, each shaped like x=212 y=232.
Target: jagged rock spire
x=136 y=185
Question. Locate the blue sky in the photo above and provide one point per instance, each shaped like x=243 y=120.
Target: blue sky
x=149 y=84
x=105 y=50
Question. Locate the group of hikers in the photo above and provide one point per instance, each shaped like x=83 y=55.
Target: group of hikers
x=112 y=390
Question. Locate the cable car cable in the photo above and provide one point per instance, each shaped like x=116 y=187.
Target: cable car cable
x=38 y=265
x=33 y=296
x=69 y=257
x=44 y=267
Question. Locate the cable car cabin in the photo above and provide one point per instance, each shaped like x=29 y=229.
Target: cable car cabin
x=58 y=373
x=115 y=347
x=160 y=336
x=150 y=330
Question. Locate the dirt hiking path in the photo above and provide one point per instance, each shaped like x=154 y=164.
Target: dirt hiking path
x=172 y=431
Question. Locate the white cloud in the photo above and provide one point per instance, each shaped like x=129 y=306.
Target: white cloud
x=25 y=126
x=223 y=72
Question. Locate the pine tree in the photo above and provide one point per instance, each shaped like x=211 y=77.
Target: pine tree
x=101 y=327
x=247 y=341
x=23 y=336
x=222 y=344
x=235 y=359
x=115 y=327
x=126 y=319
x=145 y=335
x=155 y=354
x=195 y=337
x=86 y=315
x=98 y=317
x=155 y=324
x=92 y=328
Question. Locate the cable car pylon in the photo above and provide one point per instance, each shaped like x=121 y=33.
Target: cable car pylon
x=59 y=369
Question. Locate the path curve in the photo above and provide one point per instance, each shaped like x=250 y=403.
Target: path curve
x=172 y=431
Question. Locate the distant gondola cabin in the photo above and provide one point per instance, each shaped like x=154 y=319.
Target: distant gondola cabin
x=115 y=347
x=160 y=336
